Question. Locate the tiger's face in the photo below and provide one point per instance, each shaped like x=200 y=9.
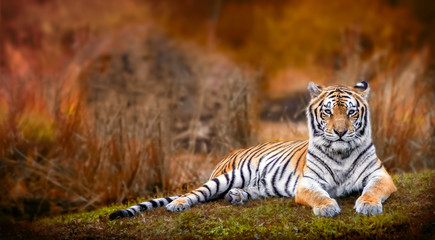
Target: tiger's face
x=338 y=116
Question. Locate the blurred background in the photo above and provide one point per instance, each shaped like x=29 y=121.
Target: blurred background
x=105 y=101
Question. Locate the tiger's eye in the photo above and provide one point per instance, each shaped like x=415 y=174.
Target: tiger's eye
x=351 y=112
x=327 y=111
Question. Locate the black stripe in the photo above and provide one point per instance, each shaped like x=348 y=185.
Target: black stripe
x=264 y=172
x=294 y=186
x=272 y=148
x=234 y=175
x=290 y=149
x=315 y=164
x=203 y=194
x=252 y=155
x=357 y=158
x=232 y=179
x=253 y=151
x=130 y=214
x=276 y=160
x=327 y=155
x=233 y=158
x=318 y=175
x=291 y=158
x=243 y=177
x=268 y=150
x=196 y=195
x=143 y=207
x=316 y=111
x=365 y=122
x=324 y=165
x=259 y=161
x=274 y=184
x=310 y=112
x=299 y=159
x=217 y=184
x=246 y=161
x=168 y=200
x=279 y=154
x=240 y=162
x=330 y=93
x=321 y=184
x=190 y=201
x=154 y=203
x=361 y=121
x=366 y=157
x=207 y=189
x=364 y=181
x=249 y=170
x=267 y=192
x=227 y=177
x=227 y=165
x=287 y=183
x=369 y=165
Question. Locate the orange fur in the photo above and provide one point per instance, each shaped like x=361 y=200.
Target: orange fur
x=383 y=188
x=311 y=198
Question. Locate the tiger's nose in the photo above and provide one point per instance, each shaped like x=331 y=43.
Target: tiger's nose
x=340 y=132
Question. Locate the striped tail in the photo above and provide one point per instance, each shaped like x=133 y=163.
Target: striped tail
x=144 y=206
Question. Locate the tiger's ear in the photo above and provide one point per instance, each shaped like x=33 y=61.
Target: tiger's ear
x=314 y=89
x=363 y=89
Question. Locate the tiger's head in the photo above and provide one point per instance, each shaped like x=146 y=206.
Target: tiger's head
x=338 y=117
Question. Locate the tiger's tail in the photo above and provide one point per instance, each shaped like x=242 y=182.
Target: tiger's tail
x=141 y=207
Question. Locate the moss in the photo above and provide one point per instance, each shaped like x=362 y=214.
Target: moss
x=409 y=213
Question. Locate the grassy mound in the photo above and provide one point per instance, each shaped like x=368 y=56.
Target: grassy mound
x=408 y=214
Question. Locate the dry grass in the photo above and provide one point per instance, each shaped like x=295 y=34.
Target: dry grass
x=403 y=114
x=62 y=151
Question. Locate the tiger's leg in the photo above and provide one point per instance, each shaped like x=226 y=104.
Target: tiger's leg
x=236 y=196
x=378 y=188
x=309 y=192
x=210 y=190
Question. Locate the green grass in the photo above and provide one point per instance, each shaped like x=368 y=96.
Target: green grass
x=409 y=213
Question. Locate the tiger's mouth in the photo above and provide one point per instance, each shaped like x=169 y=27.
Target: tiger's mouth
x=342 y=139
x=338 y=144
x=337 y=138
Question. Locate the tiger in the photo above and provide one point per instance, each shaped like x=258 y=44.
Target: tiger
x=338 y=159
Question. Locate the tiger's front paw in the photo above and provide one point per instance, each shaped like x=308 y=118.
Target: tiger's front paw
x=330 y=209
x=368 y=206
x=178 y=205
x=235 y=196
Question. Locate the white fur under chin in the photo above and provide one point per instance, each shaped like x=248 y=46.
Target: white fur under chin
x=340 y=146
